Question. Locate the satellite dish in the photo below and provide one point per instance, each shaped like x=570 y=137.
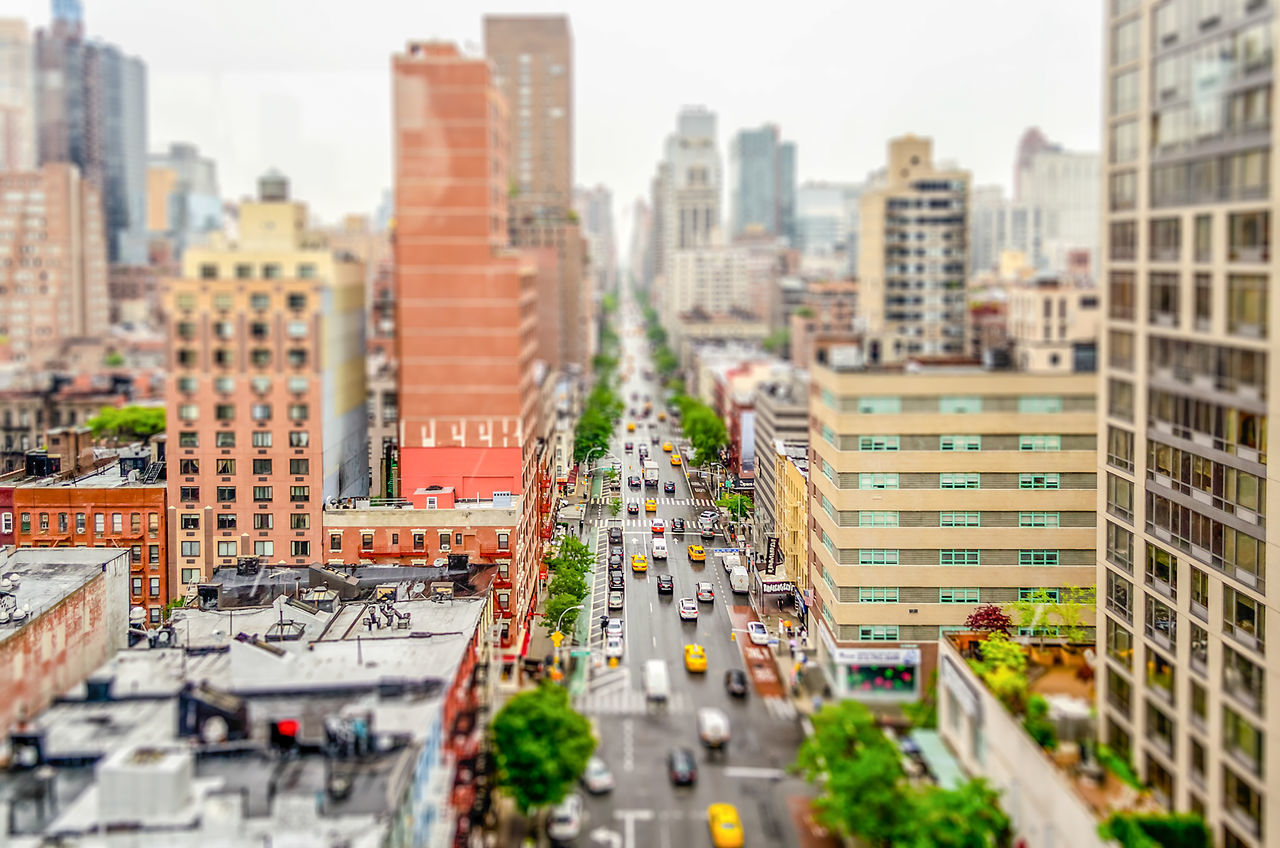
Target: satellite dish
x=137 y=615
x=419 y=588
x=214 y=730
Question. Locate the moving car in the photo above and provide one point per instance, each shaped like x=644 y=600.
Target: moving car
x=735 y=682
x=669 y=487
x=629 y=447
x=677 y=525
x=726 y=827
x=565 y=822
x=688 y=609
x=633 y=481
x=666 y=585
x=643 y=452
x=639 y=563
x=596 y=777
x=631 y=426
x=757 y=632
x=705 y=592
x=633 y=508
x=697 y=553
x=659 y=548
x=675 y=459
x=662 y=416
x=613 y=628
x=713 y=727
x=655 y=439
x=657 y=526
x=695 y=658
x=668 y=447
x=613 y=646
x=650 y=505
x=616 y=583
x=616 y=601
x=682 y=767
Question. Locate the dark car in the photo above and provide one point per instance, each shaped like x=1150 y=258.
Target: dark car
x=735 y=682
x=677 y=525
x=633 y=508
x=629 y=447
x=633 y=481
x=654 y=438
x=615 y=535
x=615 y=562
x=682 y=767
x=666 y=586
x=615 y=548
x=616 y=581
x=644 y=452
x=669 y=487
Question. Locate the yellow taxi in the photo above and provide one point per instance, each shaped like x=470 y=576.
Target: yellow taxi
x=651 y=505
x=668 y=447
x=675 y=459
x=631 y=426
x=695 y=658
x=697 y=554
x=726 y=827
x=639 y=563
x=662 y=416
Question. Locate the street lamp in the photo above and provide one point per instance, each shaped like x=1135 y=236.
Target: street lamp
x=559 y=642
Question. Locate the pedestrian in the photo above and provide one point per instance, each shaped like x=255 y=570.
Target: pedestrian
x=793 y=648
x=604 y=621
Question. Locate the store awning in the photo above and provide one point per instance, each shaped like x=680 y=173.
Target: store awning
x=941 y=762
x=573 y=477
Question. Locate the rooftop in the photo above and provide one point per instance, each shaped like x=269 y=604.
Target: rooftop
x=124 y=468
x=33 y=580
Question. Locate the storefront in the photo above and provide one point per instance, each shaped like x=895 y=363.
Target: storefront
x=871 y=674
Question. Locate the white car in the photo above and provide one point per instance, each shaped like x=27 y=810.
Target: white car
x=613 y=647
x=613 y=628
x=596 y=777
x=713 y=727
x=565 y=821
x=688 y=609
x=757 y=632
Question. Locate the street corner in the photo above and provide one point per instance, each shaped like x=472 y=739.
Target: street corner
x=812 y=834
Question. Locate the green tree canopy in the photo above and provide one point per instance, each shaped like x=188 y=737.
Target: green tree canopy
x=558 y=605
x=776 y=341
x=704 y=430
x=541 y=746
x=737 y=505
x=125 y=423
x=968 y=816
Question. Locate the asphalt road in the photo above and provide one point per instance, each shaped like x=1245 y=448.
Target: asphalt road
x=646 y=809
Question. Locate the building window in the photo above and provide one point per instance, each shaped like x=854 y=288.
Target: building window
x=959 y=443
x=299 y=466
x=1036 y=558
x=960 y=480
x=298 y=357
x=262 y=466
x=190 y=521
x=878 y=443
x=1039 y=443
x=264 y=548
x=299 y=494
x=335 y=542
x=877 y=594
x=959 y=557
x=259 y=301
x=1123 y=236
x=503 y=541
x=1204 y=238
x=1038 y=519
x=24 y=522
x=260 y=411
x=962 y=595
x=419 y=541
x=190 y=548
x=960 y=519
x=227 y=548
x=226 y=521
x=225 y=411
x=877 y=557
x=1163 y=298
x=298 y=412
x=1243 y=617
x=1123 y=298
x=190 y=575
x=297 y=301
x=296 y=329
x=1040 y=404
x=299 y=521
x=264 y=521
x=188 y=439
x=270 y=271
x=300 y=548
x=1247 y=304
x=260 y=357
x=881 y=518
x=80 y=522
x=878 y=633
x=1120 y=497
x=225 y=466
x=226 y=494
x=877 y=481
x=959 y=405
x=188 y=466
x=366 y=541
x=262 y=493
x=225 y=439
x=187 y=494
x=1120 y=448
x=1039 y=481
x=1249 y=237
x=188 y=412
x=1123 y=190
x=262 y=438
x=1166 y=239
x=879 y=405
x=299 y=438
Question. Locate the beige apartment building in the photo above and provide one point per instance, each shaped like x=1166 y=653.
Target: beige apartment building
x=913 y=254
x=1188 y=688
x=934 y=491
x=266 y=416
x=791 y=463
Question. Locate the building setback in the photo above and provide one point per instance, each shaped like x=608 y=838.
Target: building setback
x=1187 y=686
x=466 y=311
x=934 y=492
x=266 y=415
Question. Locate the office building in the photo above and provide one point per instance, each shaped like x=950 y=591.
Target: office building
x=936 y=489
x=1064 y=186
x=914 y=255
x=467 y=315
x=184 y=204
x=1186 y=354
x=91 y=109
x=998 y=225
x=56 y=227
x=595 y=209
x=688 y=186
x=266 y=390
x=762 y=184
x=17 y=97
x=781 y=418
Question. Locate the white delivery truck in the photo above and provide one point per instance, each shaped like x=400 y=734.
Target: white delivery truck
x=739 y=581
x=659 y=548
x=650 y=472
x=729 y=558
x=656 y=684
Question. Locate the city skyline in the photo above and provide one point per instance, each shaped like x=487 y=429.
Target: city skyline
x=273 y=100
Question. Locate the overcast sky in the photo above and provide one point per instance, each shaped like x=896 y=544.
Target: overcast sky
x=303 y=85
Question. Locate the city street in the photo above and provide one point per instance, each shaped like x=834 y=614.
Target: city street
x=646 y=809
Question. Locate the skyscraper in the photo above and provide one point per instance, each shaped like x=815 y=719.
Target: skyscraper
x=762 y=184
x=466 y=311
x=913 y=255
x=266 y=391
x=690 y=183
x=1187 y=686
x=91 y=109
x=183 y=203
x=17 y=98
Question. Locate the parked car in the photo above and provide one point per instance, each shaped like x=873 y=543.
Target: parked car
x=735 y=682
x=616 y=601
x=757 y=632
x=613 y=646
x=682 y=767
x=616 y=582
x=666 y=585
x=615 y=561
x=596 y=777
x=565 y=822
x=613 y=628
x=688 y=609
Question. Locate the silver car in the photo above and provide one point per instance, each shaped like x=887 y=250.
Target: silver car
x=688 y=609
x=596 y=778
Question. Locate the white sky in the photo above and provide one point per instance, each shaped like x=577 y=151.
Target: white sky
x=303 y=85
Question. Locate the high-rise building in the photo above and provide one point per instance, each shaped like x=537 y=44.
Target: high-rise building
x=17 y=97
x=91 y=109
x=998 y=225
x=690 y=184
x=183 y=201
x=57 y=228
x=266 y=390
x=913 y=255
x=822 y=218
x=467 y=315
x=1064 y=185
x=762 y=184
x=595 y=210
x=1187 y=686
x=935 y=489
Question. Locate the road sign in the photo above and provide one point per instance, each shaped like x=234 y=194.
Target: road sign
x=557 y=638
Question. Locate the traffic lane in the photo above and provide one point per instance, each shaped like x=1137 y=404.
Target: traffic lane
x=757 y=659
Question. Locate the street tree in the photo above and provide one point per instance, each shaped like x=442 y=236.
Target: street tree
x=615 y=506
x=571 y=555
x=125 y=423
x=557 y=606
x=968 y=816
x=704 y=430
x=541 y=746
x=737 y=505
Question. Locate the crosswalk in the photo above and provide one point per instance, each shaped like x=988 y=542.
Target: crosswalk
x=780 y=708
x=707 y=502
x=612 y=692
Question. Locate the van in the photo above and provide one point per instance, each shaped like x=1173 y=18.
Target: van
x=713 y=727
x=657 y=686
x=739 y=582
x=659 y=548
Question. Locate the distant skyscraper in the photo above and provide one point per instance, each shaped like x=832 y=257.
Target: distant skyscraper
x=595 y=210
x=691 y=183
x=1065 y=185
x=91 y=109
x=999 y=224
x=17 y=98
x=912 y=263
x=183 y=201
x=762 y=184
